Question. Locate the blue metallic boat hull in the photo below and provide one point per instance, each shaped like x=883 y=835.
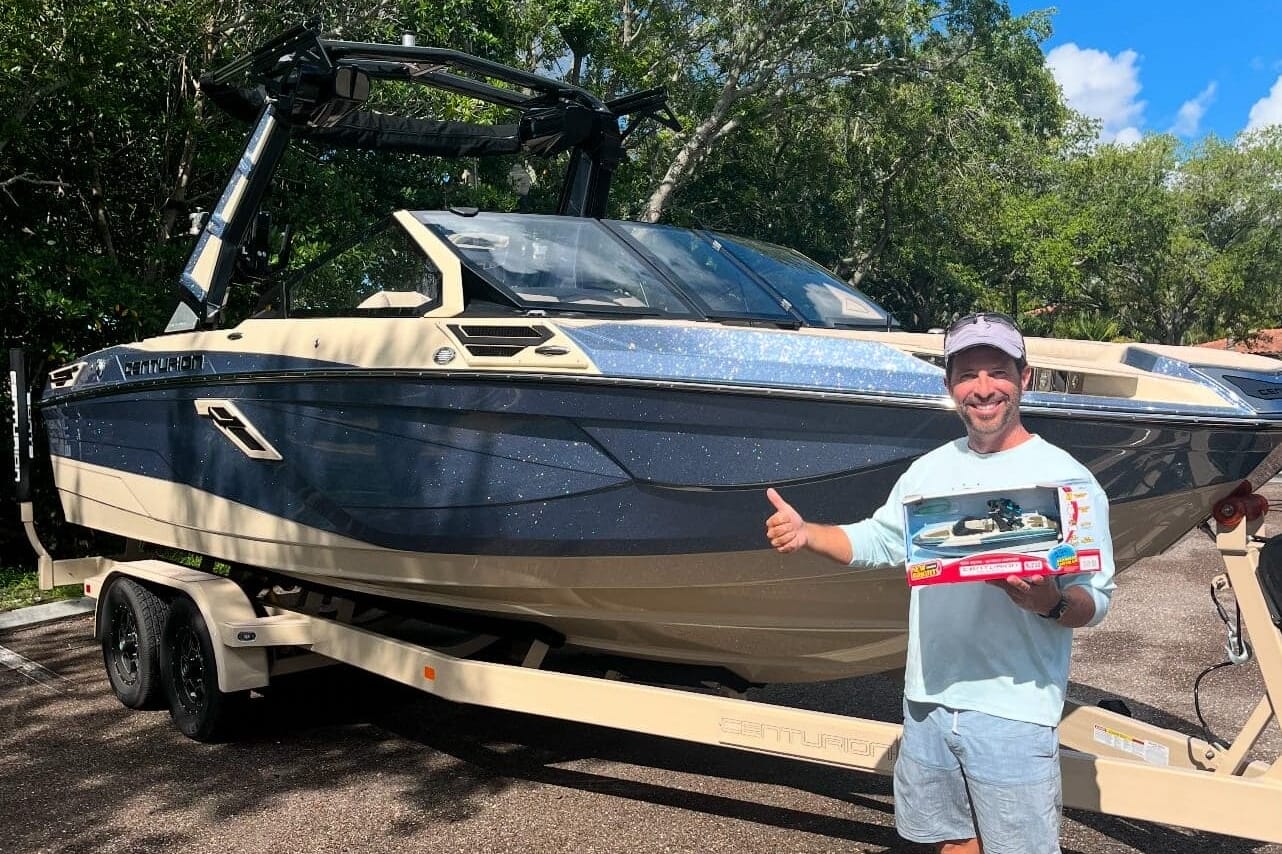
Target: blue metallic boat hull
x=626 y=516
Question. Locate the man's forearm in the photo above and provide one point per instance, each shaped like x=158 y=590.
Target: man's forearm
x=829 y=541
x=1081 y=607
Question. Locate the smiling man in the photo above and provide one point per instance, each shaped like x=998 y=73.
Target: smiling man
x=987 y=667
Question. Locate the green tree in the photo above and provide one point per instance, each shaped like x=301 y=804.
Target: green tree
x=898 y=181
x=733 y=63
x=1180 y=243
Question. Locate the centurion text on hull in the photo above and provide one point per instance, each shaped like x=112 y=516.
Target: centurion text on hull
x=566 y=422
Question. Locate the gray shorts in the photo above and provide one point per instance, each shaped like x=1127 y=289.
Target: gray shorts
x=962 y=774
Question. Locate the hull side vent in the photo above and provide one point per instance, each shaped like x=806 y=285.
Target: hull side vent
x=65 y=376
x=237 y=428
x=498 y=341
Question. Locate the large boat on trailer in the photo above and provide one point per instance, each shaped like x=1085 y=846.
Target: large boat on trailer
x=566 y=422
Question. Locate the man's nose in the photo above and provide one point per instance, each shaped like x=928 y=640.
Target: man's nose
x=983 y=384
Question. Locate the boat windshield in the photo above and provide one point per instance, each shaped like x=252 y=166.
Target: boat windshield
x=557 y=263
x=724 y=288
x=819 y=296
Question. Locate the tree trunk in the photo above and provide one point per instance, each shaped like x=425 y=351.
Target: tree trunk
x=174 y=204
x=576 y=67
x=694 y=150
x=98 y=202
x=176 y=200
x=860 y=261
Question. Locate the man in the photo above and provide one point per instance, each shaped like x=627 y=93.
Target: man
x=987 y=665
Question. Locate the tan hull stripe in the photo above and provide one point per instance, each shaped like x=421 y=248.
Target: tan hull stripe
x=769 y=617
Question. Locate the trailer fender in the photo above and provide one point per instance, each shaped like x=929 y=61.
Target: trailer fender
x=222 y=603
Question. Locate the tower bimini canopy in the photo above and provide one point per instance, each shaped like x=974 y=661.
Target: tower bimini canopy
x=303 y=86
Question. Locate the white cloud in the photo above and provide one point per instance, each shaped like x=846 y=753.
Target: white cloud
x=1103 y=87
x=1127 y=136
x=1190 y=115
x=1268 y=110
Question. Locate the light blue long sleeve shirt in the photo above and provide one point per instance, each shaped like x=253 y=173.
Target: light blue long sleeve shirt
x=969 y=645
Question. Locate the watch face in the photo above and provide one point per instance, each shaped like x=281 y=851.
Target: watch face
x=1058 y=611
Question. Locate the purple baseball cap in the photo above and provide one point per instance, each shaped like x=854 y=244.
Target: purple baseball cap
x=984 y=329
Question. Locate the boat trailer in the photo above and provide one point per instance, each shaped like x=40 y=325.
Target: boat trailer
x=203 y=642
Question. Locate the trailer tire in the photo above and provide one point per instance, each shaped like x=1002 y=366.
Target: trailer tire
x=132 y=620
x=190 y=675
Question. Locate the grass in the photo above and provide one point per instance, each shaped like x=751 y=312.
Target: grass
x=18 y=589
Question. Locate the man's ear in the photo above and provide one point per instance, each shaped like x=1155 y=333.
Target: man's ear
x=1026 y=378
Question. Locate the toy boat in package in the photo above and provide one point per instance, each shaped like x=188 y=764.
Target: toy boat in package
x=977 y=536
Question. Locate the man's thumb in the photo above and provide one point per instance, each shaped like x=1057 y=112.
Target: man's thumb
x=777 y=500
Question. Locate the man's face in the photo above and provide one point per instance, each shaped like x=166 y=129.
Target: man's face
x=986 y=385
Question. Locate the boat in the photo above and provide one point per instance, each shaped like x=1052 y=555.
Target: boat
x=970 y=534
x=568 y=422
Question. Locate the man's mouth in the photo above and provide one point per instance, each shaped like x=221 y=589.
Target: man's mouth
x=987 y=408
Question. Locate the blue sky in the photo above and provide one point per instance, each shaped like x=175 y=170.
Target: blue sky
x=1182 y=66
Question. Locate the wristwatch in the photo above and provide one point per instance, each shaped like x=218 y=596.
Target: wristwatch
x=1058 y=611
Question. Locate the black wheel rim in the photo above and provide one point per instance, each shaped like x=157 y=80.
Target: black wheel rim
x=123 y=642
x=188 y=669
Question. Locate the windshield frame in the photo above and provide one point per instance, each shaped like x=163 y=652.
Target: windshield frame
x=689 y=309
x=276 y=301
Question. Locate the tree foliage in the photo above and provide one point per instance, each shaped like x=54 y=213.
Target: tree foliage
x=918 y=147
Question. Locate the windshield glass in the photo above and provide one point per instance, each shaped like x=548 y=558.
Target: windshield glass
x=556 y=263
x=699 y=264
x=818 y=295
x=385 y=273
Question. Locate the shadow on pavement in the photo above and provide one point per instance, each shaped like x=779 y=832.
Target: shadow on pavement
x=75 y=761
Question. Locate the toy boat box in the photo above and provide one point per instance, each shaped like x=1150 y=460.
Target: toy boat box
x=1040 y=529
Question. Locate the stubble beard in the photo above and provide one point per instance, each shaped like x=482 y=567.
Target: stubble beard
x=988 y=428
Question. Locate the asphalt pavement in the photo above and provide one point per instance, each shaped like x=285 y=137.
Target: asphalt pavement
x=344 y=762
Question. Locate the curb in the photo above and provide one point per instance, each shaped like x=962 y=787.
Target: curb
x=44 y=613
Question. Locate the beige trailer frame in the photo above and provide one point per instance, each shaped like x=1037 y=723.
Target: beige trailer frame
x=1111 y=763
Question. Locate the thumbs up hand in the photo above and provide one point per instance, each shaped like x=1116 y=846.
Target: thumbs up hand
x=785 y=529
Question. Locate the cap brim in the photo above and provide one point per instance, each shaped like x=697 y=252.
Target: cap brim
x=999 y=337
x=1009 y=349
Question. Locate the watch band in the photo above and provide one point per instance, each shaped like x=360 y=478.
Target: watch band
x=1058 y=611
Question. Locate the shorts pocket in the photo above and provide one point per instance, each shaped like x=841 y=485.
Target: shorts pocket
x=1000 y=750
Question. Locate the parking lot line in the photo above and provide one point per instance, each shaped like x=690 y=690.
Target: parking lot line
x=34 y=671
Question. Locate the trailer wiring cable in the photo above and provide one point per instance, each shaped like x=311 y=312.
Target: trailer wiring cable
x=1237 y=650
x=1211 y=737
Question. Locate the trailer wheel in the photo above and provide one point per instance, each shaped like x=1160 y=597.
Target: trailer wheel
x=190 y=674
x=132 y=620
